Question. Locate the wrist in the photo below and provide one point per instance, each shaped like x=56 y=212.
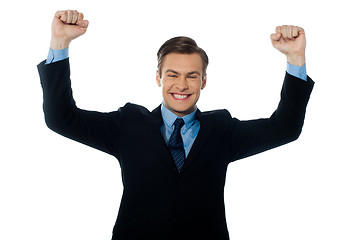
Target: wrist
x=297 y=60
x=59 y=43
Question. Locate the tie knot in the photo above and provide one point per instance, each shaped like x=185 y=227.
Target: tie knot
x=179 y=122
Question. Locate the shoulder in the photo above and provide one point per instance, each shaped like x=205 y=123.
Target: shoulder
x=218 y=114
x=139 y=113
x=131 y=107
x=133 y=110
x=221 y=118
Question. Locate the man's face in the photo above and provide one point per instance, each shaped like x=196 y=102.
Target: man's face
x=181 y=80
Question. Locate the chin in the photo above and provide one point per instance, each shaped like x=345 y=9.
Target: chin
x=182 y=111
x=180 y=108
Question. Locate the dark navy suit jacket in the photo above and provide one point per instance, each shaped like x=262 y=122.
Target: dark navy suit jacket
x=158 y=202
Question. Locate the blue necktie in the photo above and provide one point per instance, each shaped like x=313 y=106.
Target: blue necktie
x=175 y=144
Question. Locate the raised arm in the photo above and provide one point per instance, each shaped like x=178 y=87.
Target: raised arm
x=95 y=129
x=285 y=124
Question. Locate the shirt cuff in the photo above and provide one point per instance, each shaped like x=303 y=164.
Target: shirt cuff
x=55 y=55
x=297 y=71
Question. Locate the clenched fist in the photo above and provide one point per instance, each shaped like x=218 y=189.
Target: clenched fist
x=66 y=26
x=290 y=40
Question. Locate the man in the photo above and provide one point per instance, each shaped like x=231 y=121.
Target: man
x=173 y=159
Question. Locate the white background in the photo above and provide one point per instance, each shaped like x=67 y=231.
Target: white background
x=54 y=188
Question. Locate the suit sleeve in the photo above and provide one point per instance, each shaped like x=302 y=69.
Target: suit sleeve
x=285 y=125
x=95 y=129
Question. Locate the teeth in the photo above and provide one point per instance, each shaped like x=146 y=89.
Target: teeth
x=180 y=96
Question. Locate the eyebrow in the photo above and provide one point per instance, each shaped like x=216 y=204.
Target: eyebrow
x=194 y=72
x=189 y=73
x=172 y=71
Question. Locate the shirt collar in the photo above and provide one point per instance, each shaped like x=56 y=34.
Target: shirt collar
x=169 y=117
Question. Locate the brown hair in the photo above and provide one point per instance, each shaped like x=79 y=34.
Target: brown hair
x=183 y=45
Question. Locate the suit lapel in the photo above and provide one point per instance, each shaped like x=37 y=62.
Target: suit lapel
x=162 y=148
x=206 y=121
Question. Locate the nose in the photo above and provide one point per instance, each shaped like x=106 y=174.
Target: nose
x=182 y=84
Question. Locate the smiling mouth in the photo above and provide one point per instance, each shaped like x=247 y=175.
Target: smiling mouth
x=180 y=96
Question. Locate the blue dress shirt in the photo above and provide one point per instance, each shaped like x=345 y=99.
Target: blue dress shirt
x=188 y=132
x=191 y=127
x=55 y=55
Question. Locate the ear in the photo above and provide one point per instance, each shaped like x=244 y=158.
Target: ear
x=158 y=79
x=204 y=82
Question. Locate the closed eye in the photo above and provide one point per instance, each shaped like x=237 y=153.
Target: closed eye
x=192 y=76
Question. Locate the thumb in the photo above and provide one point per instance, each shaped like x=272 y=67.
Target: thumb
x=275 y=36
x=83 y=23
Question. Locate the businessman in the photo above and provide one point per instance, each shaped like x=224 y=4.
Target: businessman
x=173 y=159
